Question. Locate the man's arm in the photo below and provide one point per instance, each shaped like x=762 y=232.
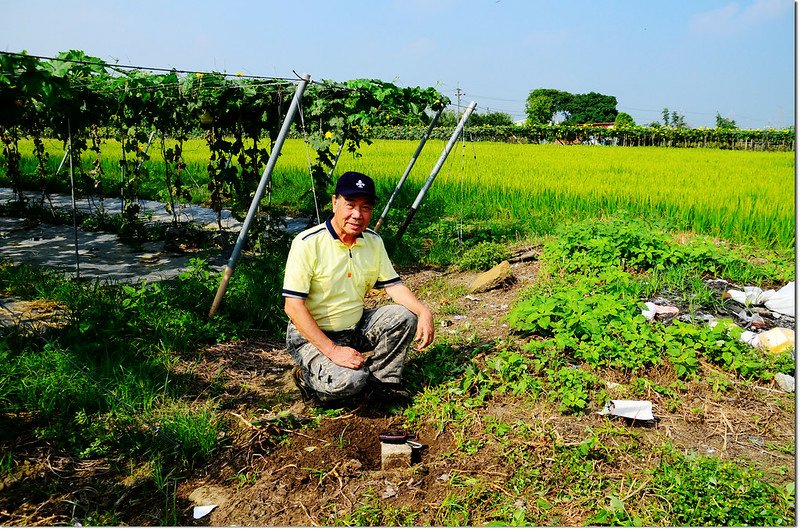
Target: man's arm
x=307 y=326
x=425 y=329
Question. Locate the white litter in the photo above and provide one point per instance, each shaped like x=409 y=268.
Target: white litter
x=750 y=295
x=785 y=382
x=776 y=340
x=654 y=310
x=750 y=337
x=641 y=410
x=202 y=510
x=782 y=301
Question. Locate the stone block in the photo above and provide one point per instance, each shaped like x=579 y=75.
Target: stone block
x=494 y=278
x=395 y=456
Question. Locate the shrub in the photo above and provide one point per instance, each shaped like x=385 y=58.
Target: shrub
x=483 y=255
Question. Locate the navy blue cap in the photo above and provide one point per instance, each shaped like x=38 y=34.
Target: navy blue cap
x=353 y=183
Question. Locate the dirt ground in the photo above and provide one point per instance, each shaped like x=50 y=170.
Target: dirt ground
x=316 y=474
x=331 y=467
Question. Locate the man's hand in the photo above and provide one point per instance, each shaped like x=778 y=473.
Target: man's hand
x=342 y=356
x=346 y=357
x=425 y=329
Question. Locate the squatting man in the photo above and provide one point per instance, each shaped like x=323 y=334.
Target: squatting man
x=341 y=347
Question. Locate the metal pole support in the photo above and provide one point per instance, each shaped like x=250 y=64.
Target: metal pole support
x=408 y=168
x=436 y=169
x=262 y=185
x=74 y=209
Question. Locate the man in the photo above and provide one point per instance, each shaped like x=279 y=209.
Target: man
x=341 y=347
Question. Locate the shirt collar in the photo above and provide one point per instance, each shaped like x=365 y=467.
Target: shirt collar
x=333 y=231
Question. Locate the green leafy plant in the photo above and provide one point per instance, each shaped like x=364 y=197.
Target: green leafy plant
x=572 y=388
x=702 y=491
x=483 y=255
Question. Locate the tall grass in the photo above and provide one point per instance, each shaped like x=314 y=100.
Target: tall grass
x=742 y=196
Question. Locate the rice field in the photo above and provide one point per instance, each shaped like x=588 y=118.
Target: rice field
x=745 y=197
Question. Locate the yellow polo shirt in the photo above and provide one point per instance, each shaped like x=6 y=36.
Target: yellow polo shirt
x=334 y=279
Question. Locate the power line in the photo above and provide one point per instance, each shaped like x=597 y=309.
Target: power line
x=324 y=84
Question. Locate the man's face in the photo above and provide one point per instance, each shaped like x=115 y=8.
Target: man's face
x=351 y=216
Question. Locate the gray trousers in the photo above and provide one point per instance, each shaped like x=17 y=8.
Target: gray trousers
x=383 y=335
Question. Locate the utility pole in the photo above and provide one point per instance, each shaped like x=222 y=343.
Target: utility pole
x=459 y=93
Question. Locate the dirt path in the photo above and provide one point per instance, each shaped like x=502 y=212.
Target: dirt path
x=103 y=255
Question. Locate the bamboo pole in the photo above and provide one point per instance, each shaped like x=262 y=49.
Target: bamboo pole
x=436 y=169
x=265 y=180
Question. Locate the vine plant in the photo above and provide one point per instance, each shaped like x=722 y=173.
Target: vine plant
x=240 y=119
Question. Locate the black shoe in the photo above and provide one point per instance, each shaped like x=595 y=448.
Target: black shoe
x=307 y=393
x=388 y=392
x=312 y=398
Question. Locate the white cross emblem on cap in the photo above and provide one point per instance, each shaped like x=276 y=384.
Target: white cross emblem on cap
x=360 y=184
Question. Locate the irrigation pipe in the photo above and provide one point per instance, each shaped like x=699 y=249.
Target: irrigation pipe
x=408 y=168
x=262 y=185
x=436 y=168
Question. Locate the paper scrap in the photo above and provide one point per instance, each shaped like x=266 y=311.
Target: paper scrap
x=202 y=510
x=641 y=410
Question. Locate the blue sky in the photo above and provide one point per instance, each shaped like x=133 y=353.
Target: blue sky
x=697 y=57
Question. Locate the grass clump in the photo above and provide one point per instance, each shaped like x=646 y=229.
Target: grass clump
x=103 y=383
x=693 y=490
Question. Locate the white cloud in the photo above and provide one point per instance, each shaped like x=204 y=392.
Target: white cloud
x=733 y=18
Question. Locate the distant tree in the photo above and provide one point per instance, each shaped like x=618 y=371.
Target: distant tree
x=673 y=119
x=591 y=108
x=725 y=123
x=539 y=110
x=543 y=104
x=624 y=119
x=449 y=118
x=678 y=121
x=493 y=119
